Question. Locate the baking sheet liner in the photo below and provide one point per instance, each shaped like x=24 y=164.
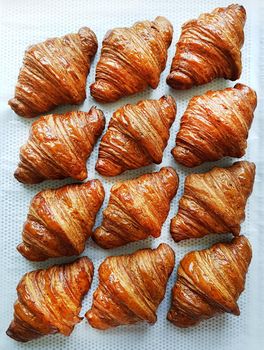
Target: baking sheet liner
x=28 y=22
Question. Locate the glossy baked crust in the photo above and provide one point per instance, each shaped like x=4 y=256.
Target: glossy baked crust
x=215 y=125
x=131 y=287
x=136 y=136
x=208 y=48
x=54 y=72
x=60 y=221
x=214 y=202
x=209 y=282
x=59 y=146
x=49 y=300
x=137 y=209
x=132 y=59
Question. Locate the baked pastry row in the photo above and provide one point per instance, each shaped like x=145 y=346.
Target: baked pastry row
x=214 y=125
x=54 y=72
x=60 y=221
x=130 y=289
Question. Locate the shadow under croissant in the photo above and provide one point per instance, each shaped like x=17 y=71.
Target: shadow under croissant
x=213 y=325
x=149 y=242
x=207 y=166
x=131 y=174
x=206 y=241
x=47 y=184
x=200 y=89
x=57 y=338
x=142 y=329
x=221 y=321
x=35 y=265
x=137 y=329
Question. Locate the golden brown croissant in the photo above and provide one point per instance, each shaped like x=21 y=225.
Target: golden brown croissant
x=131 y=287
x=61 y=220
x=209 y=48
x=210 y=282
x=214 y=202
x=49 y=301
x=137 y=209
x=54 y=72
x=131 y=59
x=215 y=125
x=137 y=136
x=59 y=146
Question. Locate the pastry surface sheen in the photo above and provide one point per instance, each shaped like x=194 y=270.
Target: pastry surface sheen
x=209 y=282
x=209 y=48
x=131 y=287
x=132 y=59
x=59 y=146
x=54 y=72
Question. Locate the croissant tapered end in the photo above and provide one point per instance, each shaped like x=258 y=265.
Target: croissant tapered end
x=131 y=287
x=89 y=41
x=215 y=125
x=210 y=282
x=137 y=209
x=214 y=202
x=60 y=221
x=209 y=48
x=59 y=146
x=49 y=301
x=132 y=59
x=53 y=73
x=137 y=136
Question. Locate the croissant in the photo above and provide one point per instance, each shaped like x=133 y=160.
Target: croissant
x=210 y=282
x=137 y=209
x=208 y=48
x=131 y=287
x=61 y=220
x=54 y=72
x=215 y=125
x=137 y=136
x=49 y=301
x=214 y=202
x=131 y=59
x=59 y=145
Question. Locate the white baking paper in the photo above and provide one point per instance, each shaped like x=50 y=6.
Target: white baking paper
x=28 y=22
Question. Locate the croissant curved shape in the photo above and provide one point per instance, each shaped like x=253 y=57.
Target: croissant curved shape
x=215 y=125
x=59 y=146
x=131 y=287
x=49 y=300
x=209 y=282
x=214 y=202
x=137 y=209
x=209 y=48
x=136 y=136
x=60 y=221
x=54 y=72
x=131 y=59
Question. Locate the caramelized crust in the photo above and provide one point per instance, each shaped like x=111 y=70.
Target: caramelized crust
x=209 y=48
x=215 y=125
x=49 y=301
x=60 y=221
x=137 y=209
x=137 y=136
x=131 y=287
x=59 y=146
x=131 y=59
x=214 y=202
x=210 y=282
x=54 y=72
